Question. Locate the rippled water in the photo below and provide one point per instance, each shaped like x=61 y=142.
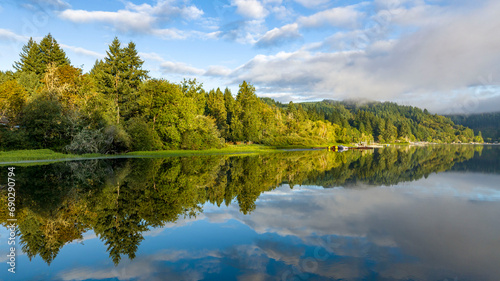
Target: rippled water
x=427 y=213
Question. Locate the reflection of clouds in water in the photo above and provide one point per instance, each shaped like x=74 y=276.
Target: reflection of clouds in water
x=472 y=186
x=428 y=229
x=89 y=235
x=153 y=267
x=442 y=228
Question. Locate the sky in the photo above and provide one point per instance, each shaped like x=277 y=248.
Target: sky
x=443 y=55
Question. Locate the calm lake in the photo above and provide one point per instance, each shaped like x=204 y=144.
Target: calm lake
x=410 y=213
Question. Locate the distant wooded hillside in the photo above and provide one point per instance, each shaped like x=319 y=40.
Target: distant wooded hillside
x=486 y=124
x=386 y=122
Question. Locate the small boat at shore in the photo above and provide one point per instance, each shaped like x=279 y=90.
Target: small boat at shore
x=342 y=148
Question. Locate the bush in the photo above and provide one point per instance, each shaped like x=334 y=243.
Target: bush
x=46 y=124
x=142 y=136
x=120 y=139
x=203 y=135
x=111 y=139
x=13 y=139
x=89 y=141
x=294 y=140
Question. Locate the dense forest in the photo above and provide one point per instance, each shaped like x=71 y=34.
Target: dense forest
x=120 y=199
x=116 y=107
x=486 y=125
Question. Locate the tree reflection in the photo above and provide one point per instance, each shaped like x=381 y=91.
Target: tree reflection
x=121 y=199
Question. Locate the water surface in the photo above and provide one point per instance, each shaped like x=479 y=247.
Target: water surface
x=391 y=214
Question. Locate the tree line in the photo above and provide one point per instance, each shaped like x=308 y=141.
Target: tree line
x=486 y=125
x=116 y=107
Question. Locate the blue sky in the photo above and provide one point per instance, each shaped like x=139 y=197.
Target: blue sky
x=438 y=54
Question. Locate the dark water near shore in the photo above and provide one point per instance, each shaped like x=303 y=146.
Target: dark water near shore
x=412 y=213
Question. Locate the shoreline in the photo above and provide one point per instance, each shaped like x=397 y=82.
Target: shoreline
x=47 y=156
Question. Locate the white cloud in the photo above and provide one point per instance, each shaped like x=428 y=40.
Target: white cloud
x=151 y=56
x=183 y=68
x=250 y=8
x=348 y=16
x=218 y=71
x=122 y=20
x=165 y=10
x=438 y=59
x=54 y=4
x=6 y=34
x=280 y=35
x=142 y=18
x=244 y=32
x=169 y=33
x=180 y=68
x=82 y=51
x=282 y=12
x=312 y=3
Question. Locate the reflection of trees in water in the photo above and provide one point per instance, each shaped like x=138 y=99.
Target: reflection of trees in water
x=393 y=165
x=120 y=199
x=488 y=163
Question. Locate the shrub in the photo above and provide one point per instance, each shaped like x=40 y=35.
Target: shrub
x=203 y=135
x=111 y=139
x=120 y=139
x=13 y=139
x=46 y=124
x=143 y=137
x=89 y=141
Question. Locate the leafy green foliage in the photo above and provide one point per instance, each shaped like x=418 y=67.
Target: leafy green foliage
x=13 y=98
x=46 y=124
x=142 y=136
x=216 y=108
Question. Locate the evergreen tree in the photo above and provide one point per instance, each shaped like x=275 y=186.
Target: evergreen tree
x=119 y=77
x=235 y=132
x=250 y=112
x=36 y=57
x=51 y=53
x=194 y=90
x=217 y=109
x=390 y=132
x=30 y=59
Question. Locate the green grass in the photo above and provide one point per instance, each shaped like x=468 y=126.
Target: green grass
x=47 y=155
x=38 y=154
x=44 y=156
x=241 y=149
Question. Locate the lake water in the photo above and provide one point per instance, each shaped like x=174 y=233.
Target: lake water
x=412 y=213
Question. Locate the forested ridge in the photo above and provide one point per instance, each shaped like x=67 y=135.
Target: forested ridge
x=486 y=125
x=116 y=107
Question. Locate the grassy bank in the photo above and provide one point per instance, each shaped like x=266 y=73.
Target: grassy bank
x=47 y=155
x=240 y=149
x=38 y=154
x=228 y=150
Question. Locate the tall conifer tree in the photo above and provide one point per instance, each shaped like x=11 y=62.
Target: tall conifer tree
x=36 y=57
x=119 y=76
x=29 y=57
